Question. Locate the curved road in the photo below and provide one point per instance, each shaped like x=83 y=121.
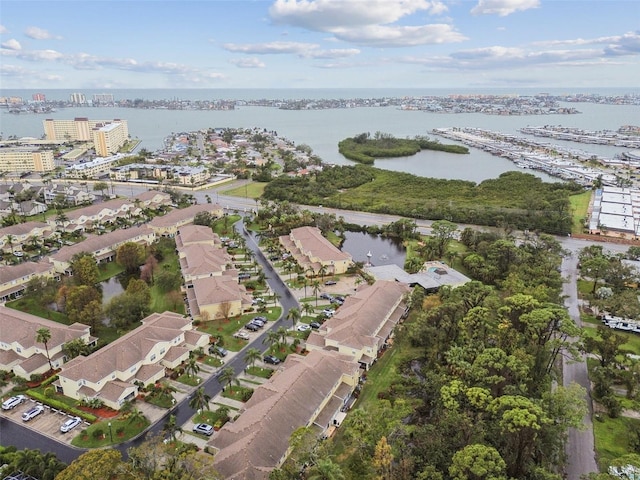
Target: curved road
x=580 y=445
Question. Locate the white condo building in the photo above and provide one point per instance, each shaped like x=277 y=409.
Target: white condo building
x=107 y=135
x=25 y=159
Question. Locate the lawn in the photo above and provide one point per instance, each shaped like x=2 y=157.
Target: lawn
x=108 y=270
x=260 y=372
x=100 y=435
x=632 y=340
x=224 y=226
x=191 y=380
x=226 y=328
x=211 y=361
x=612 y=438
x=249 y=190
x=579 y=207
x=237 y=392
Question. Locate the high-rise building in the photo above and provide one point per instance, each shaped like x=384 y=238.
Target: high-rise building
x=102 y=98
x=78 y=98
x=25 y=159
x=107 y=135
x=38 y=97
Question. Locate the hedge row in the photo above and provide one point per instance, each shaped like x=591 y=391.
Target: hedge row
x=53 y=403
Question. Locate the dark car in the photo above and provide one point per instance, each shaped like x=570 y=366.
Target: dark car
x=330 y=282
x=314 y=325
x=252 y=327
x=217 y=350
x=271 y=359
x=326 y=296
x=244 y=276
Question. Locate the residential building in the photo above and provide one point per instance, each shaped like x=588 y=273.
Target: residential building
x=26 y=159
x=22 y=354
x=102 y=247
x=70 y=194
x=363 y=325
x=308 y=391
x=197 y=235
x=201 y=260
x=14 y=237
x=113 y=373
x=178 y=174
x=168 y=225
x=93 y=168
x=107 y=135
x=78 y=98
x=315 y=253
x=218 y=296
x=14 y=279
x=431 y=277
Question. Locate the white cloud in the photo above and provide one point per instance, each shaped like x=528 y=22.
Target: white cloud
x=3 y=29
x=304 y=50
x=40 y=34
x=11 y=44
x=388 y=36
x=503 y=7
x=251 y=62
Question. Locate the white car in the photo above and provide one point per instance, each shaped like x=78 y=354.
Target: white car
x=70 y=424
x=328 y=313
x=13 y=402
x=33 y=412
x=242 y=335
x=303 y=327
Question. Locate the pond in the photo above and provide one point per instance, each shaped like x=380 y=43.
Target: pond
x=112 y=287
x=383 y=250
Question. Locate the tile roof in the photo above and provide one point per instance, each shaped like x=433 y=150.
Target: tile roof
x=190 y=234
x=8 y=273
x=255 y=443
x=311 y=240
x=201 y=259
x=176 y=216
x=215 y=290
x=23 y=228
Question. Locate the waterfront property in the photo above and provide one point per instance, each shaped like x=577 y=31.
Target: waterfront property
x=615 y=211
x=314 y=253
x=113 y=373
x=21 y=353
x=306 y=391
x=431 y=276
x=26 y=160
x=218 y=296
x=363 y=325
x=14 y=279
x=107 y=136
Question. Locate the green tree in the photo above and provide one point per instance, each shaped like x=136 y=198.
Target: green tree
x=75 y=347
x=200 y=400
x=294 y=316
x=43 y=335
x=325 y=469
x=171 y=428
x=252 y=355
x=85 y=270
x=191 y=367
x=96 y=464
x=77 y=298
x=227 y=376
x=605 y=345
x=443 y=232
x=477 y=462
x=130 y=256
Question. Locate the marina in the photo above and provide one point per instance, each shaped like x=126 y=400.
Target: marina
x=599 y=137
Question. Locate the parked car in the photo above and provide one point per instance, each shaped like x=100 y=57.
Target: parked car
x=326 y=296
x=242 y=335
x=203 y=428
x=262 y=319
x=244 y=276
x=303 y=327
x=70 y=424
x=256 y=321
x=33 y=412
x=328 y=313
x=337 y=301
x=314 y=325
x=330 y=282
x=271 y=359
x=217 y=350
x=252 y=327
x=13 y=402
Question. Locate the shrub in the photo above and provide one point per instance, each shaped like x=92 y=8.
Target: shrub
x=49 y=392
x=98 y=433
x=36 y=377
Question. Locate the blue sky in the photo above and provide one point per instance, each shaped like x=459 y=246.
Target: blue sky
x=319 y=44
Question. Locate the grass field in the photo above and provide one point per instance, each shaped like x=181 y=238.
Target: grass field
x=612 y=438
x=250 y=190
x=579 y=207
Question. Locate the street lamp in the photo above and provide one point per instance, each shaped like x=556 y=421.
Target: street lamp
x=110 y=432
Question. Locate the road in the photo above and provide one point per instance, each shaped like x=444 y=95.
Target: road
x=580 y=445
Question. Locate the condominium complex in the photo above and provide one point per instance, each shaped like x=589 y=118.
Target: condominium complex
x=78 y=98
x=25 y=159
x=107 y=135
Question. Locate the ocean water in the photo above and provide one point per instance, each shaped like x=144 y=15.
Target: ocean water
x=323 y=129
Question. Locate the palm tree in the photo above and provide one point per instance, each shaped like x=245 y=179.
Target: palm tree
x=307 y=308
x=294 y=316
x=282 y=334
x=276 y=297
x=272 y=338
x=192 y=367
x=316 y=289
x=227 y=376
x=325 y=470
x=322 y=271
x=10 y=239
x=172 y=428
x=200 y=400
x=252 y=356
x=43 y=335
x=136 y=416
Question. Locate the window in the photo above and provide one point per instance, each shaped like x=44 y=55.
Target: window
x=153 y=357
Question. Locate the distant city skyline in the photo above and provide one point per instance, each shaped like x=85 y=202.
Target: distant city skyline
x=319 y=44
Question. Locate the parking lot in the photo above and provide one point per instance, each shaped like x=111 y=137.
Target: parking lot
x=47 y=423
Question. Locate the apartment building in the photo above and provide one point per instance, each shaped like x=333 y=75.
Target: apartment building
x=314 y=252
x=363 y=325
x=22 y=354
x=142 y=356
x=26 y=159
x=14 y=279
x=13 y=237
x=107 y=135
x=307 y=391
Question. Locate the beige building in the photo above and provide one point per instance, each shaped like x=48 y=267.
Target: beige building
x=313 y=252
x=363 y=325
x=22 y=354
x=14 y=279
x=26 y=159
x=13 y=237
x=168 y=225
x=307 y=391
x=218 y=296
x=113 y=373
x=107 y=135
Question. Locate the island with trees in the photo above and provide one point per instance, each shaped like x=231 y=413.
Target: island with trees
x=365 y=149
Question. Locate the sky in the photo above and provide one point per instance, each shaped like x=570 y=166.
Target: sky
x=319 y=44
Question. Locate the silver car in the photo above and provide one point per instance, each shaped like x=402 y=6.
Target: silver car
x=70 y=424
x=32 y=413
x=13 y=402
